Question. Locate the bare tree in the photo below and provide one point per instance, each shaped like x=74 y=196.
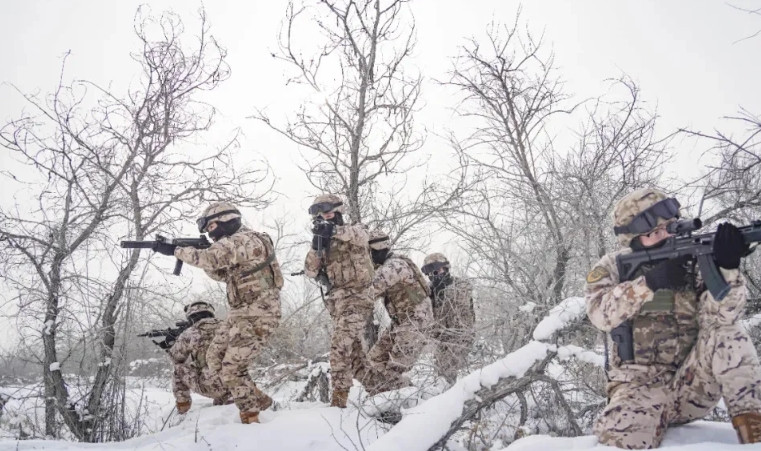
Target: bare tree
x=540 y=214
x=360 y=131
x=103 y=170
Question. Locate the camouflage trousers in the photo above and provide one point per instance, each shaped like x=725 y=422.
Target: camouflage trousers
x=232 y=351
x=452 y=349
x=397 y=350
x=187 y=378
x=350 y=311
x=722 y=364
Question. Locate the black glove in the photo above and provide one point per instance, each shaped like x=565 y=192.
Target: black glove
x=165 y=344
x=323 y=229
x=164 y=248
x=670 y=274
x=315 y=241
x=728 y=246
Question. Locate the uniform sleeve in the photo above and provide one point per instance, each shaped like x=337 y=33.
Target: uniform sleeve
x=312 y=264
x=355 y=234
x=180 y=351
x=728 y=310
x=225 y=253
x=386 y=276
x=610 y=303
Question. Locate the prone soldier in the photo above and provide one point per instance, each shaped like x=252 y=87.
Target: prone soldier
x=245 y=260
x=406 y=294
x=343 y=263
x=189 y=358
x=676 y=351
x=453 y=314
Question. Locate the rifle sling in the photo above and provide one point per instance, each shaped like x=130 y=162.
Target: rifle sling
x=260 y=266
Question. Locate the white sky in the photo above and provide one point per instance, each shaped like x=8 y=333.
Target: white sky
x=684 y=55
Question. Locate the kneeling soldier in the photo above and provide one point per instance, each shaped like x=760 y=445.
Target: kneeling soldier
x=189 y=357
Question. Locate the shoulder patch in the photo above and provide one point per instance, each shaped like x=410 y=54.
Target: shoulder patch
x=596 y=274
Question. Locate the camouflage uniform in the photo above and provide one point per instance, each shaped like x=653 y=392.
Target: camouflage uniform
x=454 y=321
x=406 y=297
x=348 y=266
x=689 y=351
x=246 y=261
x=189 y=357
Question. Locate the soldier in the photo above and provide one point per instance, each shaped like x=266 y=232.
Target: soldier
x=343 y=263
x=689 y=350
x=406 y=294
x=453 y=314
x=189 y=357
x=245 y=260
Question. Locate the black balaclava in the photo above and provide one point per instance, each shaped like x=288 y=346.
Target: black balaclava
x=226 y=228
x=441 y=280
x=337 y=219
x=194 y=318
x=379 y=256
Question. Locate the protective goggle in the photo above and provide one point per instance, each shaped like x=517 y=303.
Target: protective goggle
x=648 y=219
x=323 y=207
x=430 y=268
x=204 y=222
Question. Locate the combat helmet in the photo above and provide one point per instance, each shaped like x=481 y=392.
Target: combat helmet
x=434 y=262
x=380 y=247
x=218 y=211
x=198 y=310
x=326 y=203
x=641 y=211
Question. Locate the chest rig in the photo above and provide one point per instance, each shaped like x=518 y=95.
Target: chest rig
x=664 y=330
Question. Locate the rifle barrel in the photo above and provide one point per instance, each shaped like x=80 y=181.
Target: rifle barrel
x=137 y=244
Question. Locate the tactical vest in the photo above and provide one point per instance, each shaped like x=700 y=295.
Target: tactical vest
x=206 y=328
x=349 y=265
x=662 y=333
x=248 y=281
x=404 y=297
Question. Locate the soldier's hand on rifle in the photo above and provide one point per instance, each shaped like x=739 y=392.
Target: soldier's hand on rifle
x=323 y=229
x=165 y=344
x=164 y=248
x=728 y=246
x=670 y=274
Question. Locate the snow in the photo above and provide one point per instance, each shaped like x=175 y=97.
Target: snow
x=569 y=310
x=566 y=352
x=528 y=307
x=697 y=436
x=55 y=366
x=424 y=424
x=48 y=327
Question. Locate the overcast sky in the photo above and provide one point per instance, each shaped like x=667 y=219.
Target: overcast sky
x=689 y=57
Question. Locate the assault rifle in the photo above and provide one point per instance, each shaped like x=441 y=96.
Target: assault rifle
x=684 y=243
x=698 y=247
x=199 y=243
x=170 y=334
x=323 y=249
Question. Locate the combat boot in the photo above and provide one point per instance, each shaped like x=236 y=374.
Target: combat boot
x=249 y=417
x=183 y=407
x=339 y=398
x=748 y=427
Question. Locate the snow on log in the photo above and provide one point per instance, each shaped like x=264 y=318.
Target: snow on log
x=568 y=311
x=424 y=425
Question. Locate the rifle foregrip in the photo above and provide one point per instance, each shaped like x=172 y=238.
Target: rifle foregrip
x=712 y=277
x=177 y=267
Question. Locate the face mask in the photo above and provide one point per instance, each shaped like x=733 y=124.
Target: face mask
x=226 y=228
x=441 y=280
x=379 y=256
